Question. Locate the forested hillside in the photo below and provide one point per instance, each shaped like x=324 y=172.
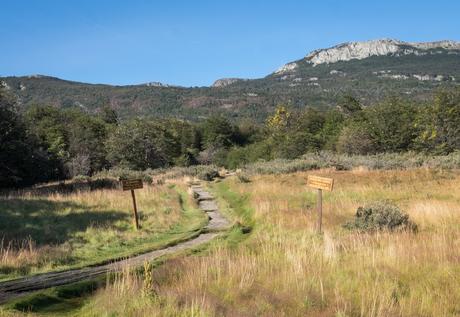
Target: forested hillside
x=408 y=71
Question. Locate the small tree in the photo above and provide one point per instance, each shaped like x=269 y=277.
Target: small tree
x=439 y=124
x=218 y=132
x=140 y=144
x=333 y=124
x=355 y=139
x=391 y=125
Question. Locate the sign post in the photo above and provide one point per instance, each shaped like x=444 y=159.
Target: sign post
x=132 y=184
x=320 y=183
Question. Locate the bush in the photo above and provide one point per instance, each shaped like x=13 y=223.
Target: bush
x=381 y=215
x=281 y=166
x=381 y=161
x=243 y=177
x=81 y=178
x=124 y=173
x=208 y=175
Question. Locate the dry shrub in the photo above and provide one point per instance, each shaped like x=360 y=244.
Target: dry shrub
x=381 y=215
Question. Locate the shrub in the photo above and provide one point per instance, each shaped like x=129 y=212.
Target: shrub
x=381 y=215
x=281 y=166
x=381 y=161
x=243 y=177
x=82 y=178
x=208 y=175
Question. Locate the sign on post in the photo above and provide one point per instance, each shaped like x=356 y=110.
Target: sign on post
x=132 y=184
x=320 y=183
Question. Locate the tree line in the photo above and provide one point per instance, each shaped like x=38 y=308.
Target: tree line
x=45 y=143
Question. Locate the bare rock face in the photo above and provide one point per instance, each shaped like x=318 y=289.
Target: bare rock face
x=4 y=84
x=225 y=82
x=361 y=50
x=288 y=68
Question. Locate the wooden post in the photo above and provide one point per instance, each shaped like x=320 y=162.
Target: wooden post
x=320 y=210
x=320 y=183
x=136 y=220
x=132 y=184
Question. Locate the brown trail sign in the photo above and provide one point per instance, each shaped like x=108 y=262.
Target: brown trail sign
x=320 y=183
x=132 y=184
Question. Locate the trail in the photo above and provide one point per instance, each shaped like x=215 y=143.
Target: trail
x=206 y=202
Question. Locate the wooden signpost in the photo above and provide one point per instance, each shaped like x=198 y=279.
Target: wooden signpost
x=320 y=183
x=132 y=184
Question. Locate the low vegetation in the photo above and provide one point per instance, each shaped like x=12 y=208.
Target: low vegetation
x=54 y=228
x=285 y=269
x=381 y=215
x=345 y=162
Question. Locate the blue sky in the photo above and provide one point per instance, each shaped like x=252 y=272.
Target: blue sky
x=192 y=43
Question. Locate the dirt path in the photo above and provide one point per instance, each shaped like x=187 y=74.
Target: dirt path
x=22 y=286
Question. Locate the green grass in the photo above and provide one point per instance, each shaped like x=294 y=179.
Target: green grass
x=60 y=232
x=286 y=269
x=236 y=207
x=76 y=299
x=67 y=300
x=57 y=300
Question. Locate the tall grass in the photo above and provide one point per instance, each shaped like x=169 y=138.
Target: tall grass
x=57 y=230
x=285 y=269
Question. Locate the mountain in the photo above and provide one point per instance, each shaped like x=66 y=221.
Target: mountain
x=368 y=70
x=386 y=47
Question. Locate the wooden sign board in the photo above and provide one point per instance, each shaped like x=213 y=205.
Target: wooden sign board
x=131 y=184
x=318 y=182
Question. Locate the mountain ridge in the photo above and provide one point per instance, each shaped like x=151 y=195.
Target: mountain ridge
x=367 y=70
x=364 y=49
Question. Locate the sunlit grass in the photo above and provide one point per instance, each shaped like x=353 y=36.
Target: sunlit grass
x=58 y=231
x=285 y=269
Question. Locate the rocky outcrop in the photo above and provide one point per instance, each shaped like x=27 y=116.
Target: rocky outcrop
x=421 y=77
x=287 y=68
x=361 y=50
x=225 y=82
x=4 y=84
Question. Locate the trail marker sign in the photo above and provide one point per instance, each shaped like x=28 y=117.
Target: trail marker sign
x=320 y=183
x=132 y=184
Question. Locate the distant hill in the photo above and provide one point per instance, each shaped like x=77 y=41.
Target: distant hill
x=368 y=70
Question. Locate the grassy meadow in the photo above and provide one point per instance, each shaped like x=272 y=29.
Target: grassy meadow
x=284 y=269
x=55 y=230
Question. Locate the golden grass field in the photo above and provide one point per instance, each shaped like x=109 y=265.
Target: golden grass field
x=284 y=269
x=57 y=231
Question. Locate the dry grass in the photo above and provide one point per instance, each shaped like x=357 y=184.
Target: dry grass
x=284 y=269
x=57 y=230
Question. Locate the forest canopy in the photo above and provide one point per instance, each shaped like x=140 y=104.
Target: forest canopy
x=45 y=143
